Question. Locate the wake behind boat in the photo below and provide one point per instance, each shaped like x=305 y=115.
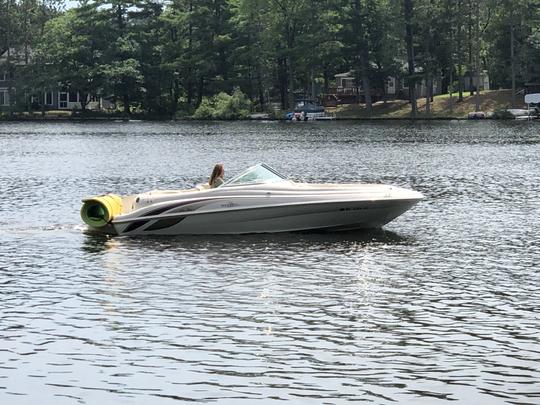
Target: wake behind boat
x=258 y=200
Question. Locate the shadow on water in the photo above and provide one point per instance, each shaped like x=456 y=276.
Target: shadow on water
x=100 y=243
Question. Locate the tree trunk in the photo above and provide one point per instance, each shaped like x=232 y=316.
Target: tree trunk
x=260 y=89
x=290 y=82
x=326 y=78
x=313 y=89
x=83 y=99
x=189 y=91
x=174 y=99
x=282 y=77
x=512 y=65
x=190 y=78
x=385 y=91
x=470 y=63
x=365 y=77
x=428 y=94
x=459 y=54
x=362 y=49
x=408 y=12
x=222 y=66
x=250 y=86
x=289 y=37
x=450 y=86
x=44 y=101
x=127 y=110
x=120 y=18
x=26 y=101
x=451 y=92
x=200 y=92
x=477 y=54
x=9 y=70
x=367 y=94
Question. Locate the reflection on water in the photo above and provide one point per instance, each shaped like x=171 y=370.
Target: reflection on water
x=301 y=241
x=440 y=306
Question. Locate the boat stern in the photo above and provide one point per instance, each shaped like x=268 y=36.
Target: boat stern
x=97 y=212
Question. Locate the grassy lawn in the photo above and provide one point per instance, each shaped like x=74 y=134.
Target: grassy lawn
x=59 y=114
x=443 y=106
x=37 y=114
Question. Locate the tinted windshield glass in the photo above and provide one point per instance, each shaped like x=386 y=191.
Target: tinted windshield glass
x=256 y=174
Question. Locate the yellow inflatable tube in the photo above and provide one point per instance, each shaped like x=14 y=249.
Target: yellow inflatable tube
x=99 y=211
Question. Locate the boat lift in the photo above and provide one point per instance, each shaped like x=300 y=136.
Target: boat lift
x=533 y=98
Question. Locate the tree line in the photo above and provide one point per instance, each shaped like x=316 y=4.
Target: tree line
x=165 y=58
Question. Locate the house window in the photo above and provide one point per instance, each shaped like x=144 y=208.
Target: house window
x=48 y=98
x=73 y=97
x=348 y=83
x=4 y=97
x=3 y=77
x=62 y=100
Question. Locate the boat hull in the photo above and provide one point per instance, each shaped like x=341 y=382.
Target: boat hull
x=330 y=216
x=256 y=201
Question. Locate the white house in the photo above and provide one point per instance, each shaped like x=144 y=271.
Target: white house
x=52 y=99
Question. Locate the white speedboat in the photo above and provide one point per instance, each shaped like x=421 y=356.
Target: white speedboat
x=257 y=200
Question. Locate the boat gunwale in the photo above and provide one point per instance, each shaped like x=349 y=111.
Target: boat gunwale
x=120 y=220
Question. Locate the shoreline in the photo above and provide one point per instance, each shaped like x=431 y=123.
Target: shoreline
x=163 y=119
x=495 y=104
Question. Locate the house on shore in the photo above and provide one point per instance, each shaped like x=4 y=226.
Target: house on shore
x=470 y=81
x=4 y=90
x=54 y=98
x=532 y=87
x=347 y=91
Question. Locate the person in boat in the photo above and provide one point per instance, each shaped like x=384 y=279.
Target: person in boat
x=216 y=179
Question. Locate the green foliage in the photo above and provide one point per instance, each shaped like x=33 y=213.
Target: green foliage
x=70 y=52
x=224 y=107
x=522 y=19
x=119 y=73
x=187 y=55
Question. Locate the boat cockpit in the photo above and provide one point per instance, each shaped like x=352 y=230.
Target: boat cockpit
x=257 y=174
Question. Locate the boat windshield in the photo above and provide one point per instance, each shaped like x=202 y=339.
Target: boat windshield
x=260 y=173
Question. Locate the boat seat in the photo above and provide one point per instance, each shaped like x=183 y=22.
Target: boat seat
x=203 y=186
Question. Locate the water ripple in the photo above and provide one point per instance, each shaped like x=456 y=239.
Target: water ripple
x=440 y=306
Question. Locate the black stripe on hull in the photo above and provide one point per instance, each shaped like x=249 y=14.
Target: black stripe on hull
x=135 y=225
x=164 y=223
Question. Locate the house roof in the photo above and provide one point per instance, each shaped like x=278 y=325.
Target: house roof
x=350 y=73
x=18 y=56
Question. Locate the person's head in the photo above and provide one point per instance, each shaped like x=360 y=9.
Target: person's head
x=218 y=171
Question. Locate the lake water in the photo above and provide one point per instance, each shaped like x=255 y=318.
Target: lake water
x=443 y=305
